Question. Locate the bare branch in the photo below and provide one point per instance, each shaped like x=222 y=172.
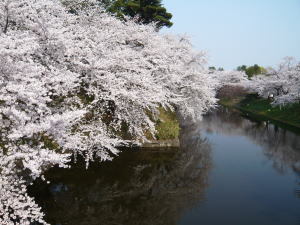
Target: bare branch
x=6 y=15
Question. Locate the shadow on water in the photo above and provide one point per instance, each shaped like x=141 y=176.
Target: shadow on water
x=149 y=186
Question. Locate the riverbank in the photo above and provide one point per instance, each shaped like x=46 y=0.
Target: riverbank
x=259 y=108
x=168 y=127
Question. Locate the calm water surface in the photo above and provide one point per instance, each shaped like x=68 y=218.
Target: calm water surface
x=229 y=170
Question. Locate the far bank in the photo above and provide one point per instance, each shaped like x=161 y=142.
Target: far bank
x=252 y=106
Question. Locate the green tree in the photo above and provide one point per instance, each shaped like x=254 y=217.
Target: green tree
x=255 y=70
x=242 y=68
x=252 y=70
x=147 y=11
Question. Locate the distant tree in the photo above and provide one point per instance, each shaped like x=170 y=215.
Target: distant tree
x=282 y=83
x=146 y=11
x=220 y=69
x=242 y=68
x=212 y=68
x=252 y=70
x=229 y=78
x=255 y=70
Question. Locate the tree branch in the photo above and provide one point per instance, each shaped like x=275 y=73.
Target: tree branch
x=7 y=18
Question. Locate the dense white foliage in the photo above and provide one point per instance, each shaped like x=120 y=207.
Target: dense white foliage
x=16 y=207
x=229 y=78
x=283 y=83
x=70 y=82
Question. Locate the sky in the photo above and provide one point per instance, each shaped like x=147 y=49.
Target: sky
x=239 y=32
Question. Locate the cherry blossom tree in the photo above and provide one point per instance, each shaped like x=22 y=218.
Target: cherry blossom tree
x=228 y=78
x=282 y=83
x=73 y=78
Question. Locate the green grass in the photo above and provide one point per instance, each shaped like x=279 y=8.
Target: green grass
x=167 y=125
x=288 y=114
x=230 y=102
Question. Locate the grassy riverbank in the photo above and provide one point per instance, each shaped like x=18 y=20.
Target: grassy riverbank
x=251 y=103
x=167 y=126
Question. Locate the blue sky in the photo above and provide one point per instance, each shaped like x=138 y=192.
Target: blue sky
x=236 y=32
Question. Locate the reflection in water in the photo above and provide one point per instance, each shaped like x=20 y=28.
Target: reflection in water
x=169 y=186
x=279 y=145
x=140 y=187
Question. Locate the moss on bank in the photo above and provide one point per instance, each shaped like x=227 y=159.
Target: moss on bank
x=288 y=114
x=167 y=125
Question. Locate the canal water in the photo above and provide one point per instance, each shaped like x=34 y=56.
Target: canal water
x=229 y=170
